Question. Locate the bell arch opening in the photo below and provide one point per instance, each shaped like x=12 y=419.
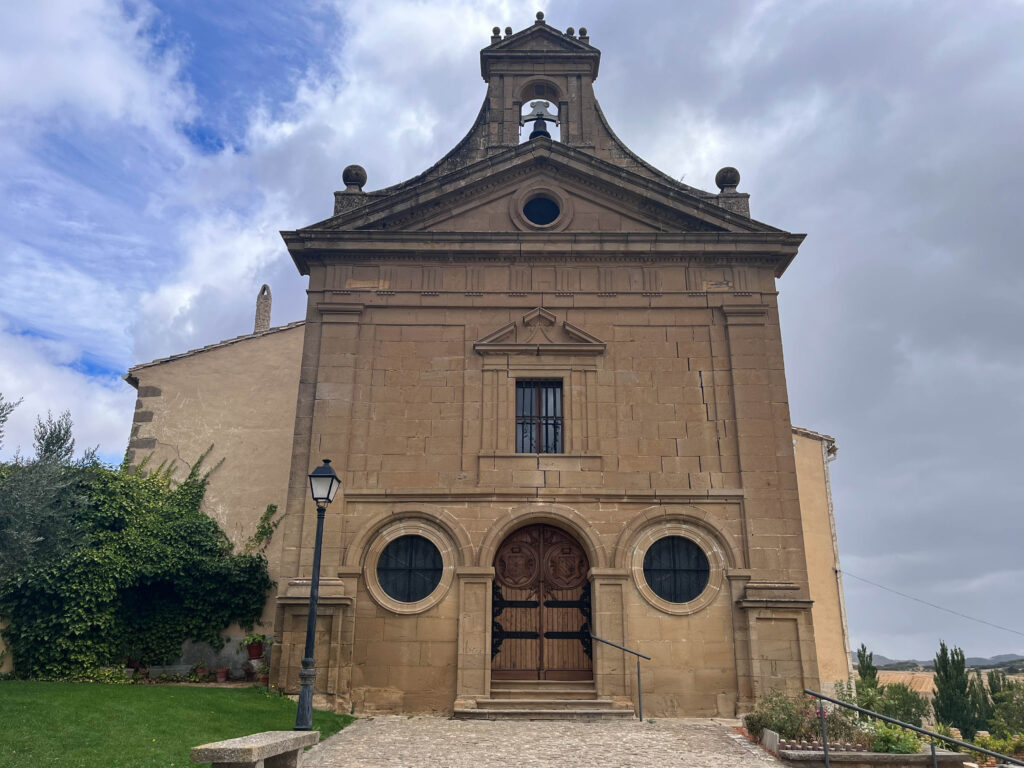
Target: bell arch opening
x=539 y=118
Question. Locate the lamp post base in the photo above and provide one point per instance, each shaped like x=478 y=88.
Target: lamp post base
x=304 y=717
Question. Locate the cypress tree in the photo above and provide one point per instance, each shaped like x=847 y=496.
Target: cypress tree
x=866 y=669
x=952 y=701
x=981 y=703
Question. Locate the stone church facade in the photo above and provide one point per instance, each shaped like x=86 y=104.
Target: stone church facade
x=551 y=380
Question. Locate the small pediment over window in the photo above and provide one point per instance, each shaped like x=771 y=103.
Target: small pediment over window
x=538 y=332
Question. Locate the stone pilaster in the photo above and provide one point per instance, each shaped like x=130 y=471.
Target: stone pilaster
x=474 y=639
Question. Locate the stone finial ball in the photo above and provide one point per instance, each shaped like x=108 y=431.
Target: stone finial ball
x=583 y=31
x=540 y=15
x=570 y=31
x=354 y=176
x=496 y=31
x=727 y=177
x=508 y=31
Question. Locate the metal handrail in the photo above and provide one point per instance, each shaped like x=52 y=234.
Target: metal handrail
x=639 y=692
x=908 y=726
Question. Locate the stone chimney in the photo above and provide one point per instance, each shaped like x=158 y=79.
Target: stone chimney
x=262 y=310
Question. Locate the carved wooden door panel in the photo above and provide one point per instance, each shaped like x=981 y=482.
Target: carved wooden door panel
x=541 y=607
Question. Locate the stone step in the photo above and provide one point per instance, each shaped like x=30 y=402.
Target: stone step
x=542 y=693
x=545 y=704
x=532 y=685
x=543 y=714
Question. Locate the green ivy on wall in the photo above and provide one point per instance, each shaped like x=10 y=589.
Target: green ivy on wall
x=151 y=571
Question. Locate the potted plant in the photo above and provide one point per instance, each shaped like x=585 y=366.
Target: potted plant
x=222 y=674
x=254 y=643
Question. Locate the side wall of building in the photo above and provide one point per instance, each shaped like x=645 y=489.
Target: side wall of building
x=235 y=401
x=816 y=515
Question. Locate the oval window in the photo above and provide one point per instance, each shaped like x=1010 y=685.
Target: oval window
x=409 y=568
x=541 y=210
x=676 y=569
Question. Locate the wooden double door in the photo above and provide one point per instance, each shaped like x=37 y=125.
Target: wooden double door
x=541 y=619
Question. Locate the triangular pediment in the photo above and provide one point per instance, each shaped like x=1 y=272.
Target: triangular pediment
x=582 y=208
x=539 y=332
x=594 y=196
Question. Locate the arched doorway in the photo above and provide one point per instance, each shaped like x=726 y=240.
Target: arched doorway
x=540 y=618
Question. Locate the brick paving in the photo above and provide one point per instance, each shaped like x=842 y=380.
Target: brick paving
x=434 y=742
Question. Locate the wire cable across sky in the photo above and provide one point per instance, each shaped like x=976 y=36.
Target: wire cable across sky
x=925 y=602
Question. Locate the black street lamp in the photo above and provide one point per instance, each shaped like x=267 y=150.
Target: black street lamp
x=323 y=484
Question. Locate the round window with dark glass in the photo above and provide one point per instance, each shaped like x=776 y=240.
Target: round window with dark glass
x=409 y=568
x=676 y=569
x=541 y=210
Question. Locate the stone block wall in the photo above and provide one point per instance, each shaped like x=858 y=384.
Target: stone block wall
x=676 y=420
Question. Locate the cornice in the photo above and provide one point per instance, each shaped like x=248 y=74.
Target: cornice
x=775 y=603
x=539 y=349
x=772 y=249
x=435 y=496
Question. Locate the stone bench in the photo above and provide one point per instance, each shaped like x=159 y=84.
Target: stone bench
x=270 y=749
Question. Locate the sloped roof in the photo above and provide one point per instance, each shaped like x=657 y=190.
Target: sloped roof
x=830 y=442
x=664 y=195
x=133 y=380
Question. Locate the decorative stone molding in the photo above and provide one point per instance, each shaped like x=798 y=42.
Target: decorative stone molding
x=689 y=516
x=430 y=514
x=558 y=515
x=331 y=312
x=712 y=549
x=530 y=192
x=409 y=527
x=745 y=314
x=538 y=333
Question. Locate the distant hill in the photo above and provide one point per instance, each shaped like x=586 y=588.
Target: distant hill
x=883 y=662
x=1007 y=657
x=902 y=666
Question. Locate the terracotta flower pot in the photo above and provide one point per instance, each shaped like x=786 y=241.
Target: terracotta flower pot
x=255 y=650
x=222 y=674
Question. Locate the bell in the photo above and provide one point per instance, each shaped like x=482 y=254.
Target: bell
x=540 y=128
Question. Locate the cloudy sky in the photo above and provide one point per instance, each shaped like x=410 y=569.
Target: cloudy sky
x=151 y=151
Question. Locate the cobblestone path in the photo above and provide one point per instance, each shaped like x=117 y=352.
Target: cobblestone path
x=433 y=742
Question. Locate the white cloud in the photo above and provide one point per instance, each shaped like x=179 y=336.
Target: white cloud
x=88 y=96
x=93 y=57
x=39 y=372
x=59 y=301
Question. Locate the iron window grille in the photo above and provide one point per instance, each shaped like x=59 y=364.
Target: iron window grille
x=409 y=568
x=676 y=569
x=539 y=422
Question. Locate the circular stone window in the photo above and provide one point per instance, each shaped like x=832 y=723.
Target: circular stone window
x=541 y=210
x=676 y=569
x=409 y=569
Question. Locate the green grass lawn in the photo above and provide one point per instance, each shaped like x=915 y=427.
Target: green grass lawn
x=91 y=725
